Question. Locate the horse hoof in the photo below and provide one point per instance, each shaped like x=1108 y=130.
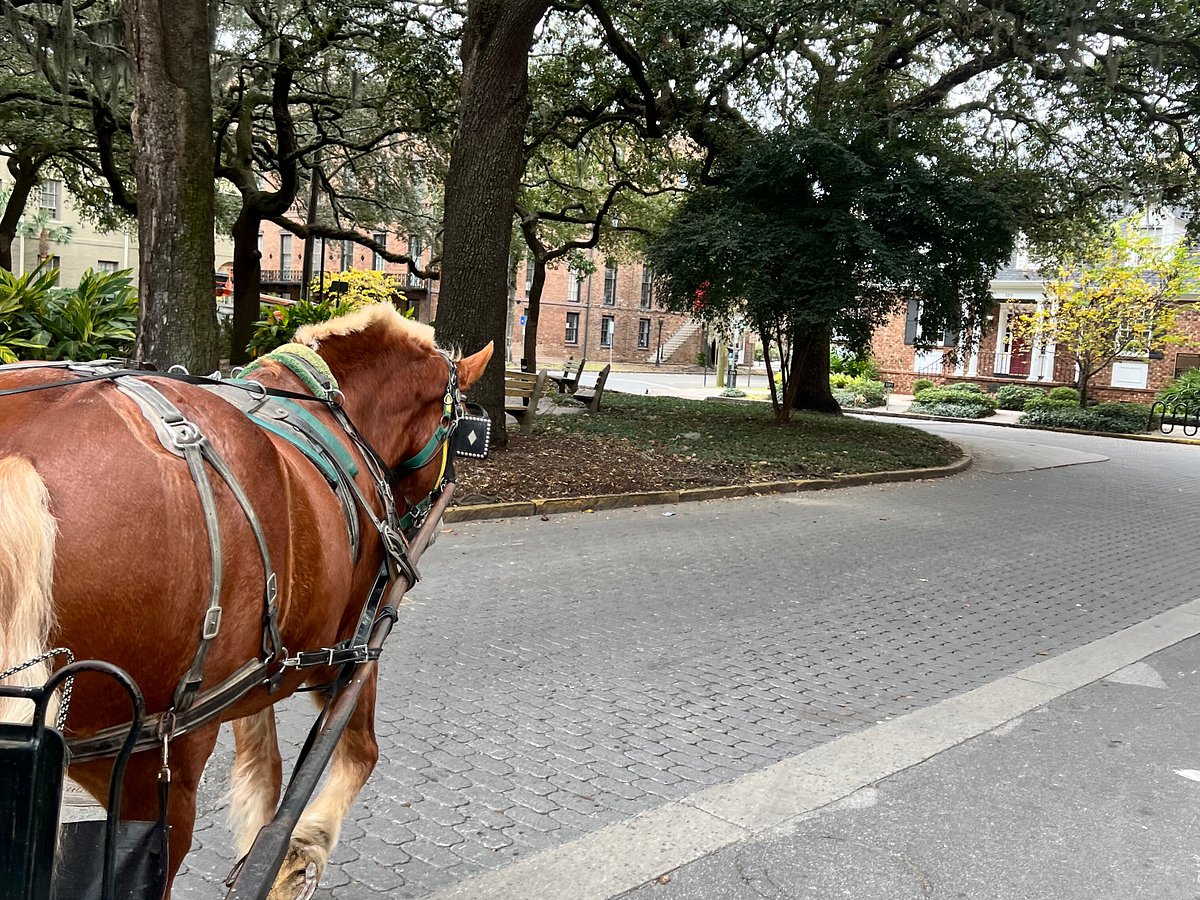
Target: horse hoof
x=297 y=879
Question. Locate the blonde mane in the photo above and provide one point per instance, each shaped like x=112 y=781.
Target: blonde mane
x=383 y=316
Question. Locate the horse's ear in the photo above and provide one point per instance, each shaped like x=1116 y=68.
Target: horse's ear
x=471 y=367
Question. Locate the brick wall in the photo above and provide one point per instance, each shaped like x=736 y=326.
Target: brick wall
x=627 y=314
x=896 y=361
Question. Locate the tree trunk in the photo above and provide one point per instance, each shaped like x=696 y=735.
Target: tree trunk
x=169 y=44
x=534 y=310
x=809 y=379
x=247 y=282
x=481 y=186
x=24 y=170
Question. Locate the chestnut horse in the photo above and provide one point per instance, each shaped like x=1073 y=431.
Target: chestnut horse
x=104 y=550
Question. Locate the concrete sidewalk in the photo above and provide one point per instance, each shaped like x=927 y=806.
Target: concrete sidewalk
x=1093 y=796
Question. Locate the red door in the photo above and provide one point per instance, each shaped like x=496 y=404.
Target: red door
x=1018 y=356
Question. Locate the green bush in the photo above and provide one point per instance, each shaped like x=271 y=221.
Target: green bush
x=1064 y=393
x=839 y=379
x=954 y=400
x=1184 y=389
x=921 y=384
x=1049 y=403
x=965 y=386
x=278 y=325
x=1015 y=396
x=862 y=393
x=41 y=322
x=952 y=408
x=1121 y=418
x=853 y=364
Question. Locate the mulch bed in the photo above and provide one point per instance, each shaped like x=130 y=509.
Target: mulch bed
x=576 y=465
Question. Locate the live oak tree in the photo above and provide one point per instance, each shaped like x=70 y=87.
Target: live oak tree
x=1116 y=297
x=806 y=233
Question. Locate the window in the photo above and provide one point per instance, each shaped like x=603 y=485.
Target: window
x=572 y=328
x=260 y=245
x=930 y=335
x=573 y=284
x=49 y=197
x=528 y=274
x=1185 y=362
x=285 y=253
x=415 y=249
x=607 y=326
x=647 y=287
x=347 y=255
x=377 y=260
x=54 y=264
x=610 y=284
x=643 y=334
x=108 y=266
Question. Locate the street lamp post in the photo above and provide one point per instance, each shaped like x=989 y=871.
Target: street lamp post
x=658 y=354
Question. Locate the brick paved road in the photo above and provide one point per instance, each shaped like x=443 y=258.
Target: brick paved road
x=554 y=677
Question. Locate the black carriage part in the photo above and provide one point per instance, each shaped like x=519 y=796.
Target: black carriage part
x=94 y=858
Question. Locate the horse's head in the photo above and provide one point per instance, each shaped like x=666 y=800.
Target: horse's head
x=396 y=382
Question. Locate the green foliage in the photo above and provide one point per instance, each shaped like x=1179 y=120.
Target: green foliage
x=1184 y=389
x=279 y=325
x=853 y=364
x=954 y=409
x=921 y=384
x=1064 y=393
x=41 y=322
x=1121 y=418
x=1015 y=396
x=1040 y=403
x=964 y=401
x=965 y=386
x=863 y=393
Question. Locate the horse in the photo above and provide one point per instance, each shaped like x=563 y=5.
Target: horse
x=104 y=551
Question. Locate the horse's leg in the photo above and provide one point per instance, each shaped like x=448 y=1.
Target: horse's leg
x=319 y=826
x=140 y=800
x=257 y=777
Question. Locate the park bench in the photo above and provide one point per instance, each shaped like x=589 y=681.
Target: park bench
x=526 y=389
x=591 y=396
x=568 y=382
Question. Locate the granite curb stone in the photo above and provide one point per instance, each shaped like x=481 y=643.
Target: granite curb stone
x=655 y=498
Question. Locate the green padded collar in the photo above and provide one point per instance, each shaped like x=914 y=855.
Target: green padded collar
x=293 y=357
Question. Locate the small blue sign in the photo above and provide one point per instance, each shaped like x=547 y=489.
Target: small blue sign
x=523 y=319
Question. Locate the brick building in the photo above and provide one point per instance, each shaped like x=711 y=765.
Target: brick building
x=999 y=356
x=283 y=264
x=608 y=316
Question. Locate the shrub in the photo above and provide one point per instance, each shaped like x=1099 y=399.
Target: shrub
x=853 y=364
x=1016 y=396
x=982 y=403
x=278 y=326
x=953 y=408
x=965 y=386
x=1049 y=403
x=840 y=379
x=863 y=393
x=1064 y=393
x=41 y=322
x=921 y=384
x=1185 y=389
x=1122 y=418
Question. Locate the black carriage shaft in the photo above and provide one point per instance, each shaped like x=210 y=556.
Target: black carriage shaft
x=256 y=873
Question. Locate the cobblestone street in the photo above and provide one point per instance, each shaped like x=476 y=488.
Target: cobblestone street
x=553 y=677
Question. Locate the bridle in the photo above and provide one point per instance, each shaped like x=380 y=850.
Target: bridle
x=452 y=411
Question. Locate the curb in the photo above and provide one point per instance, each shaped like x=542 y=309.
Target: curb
x=1165 y=439
x=550 y=506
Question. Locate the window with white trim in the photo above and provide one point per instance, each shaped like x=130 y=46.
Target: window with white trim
x=377 y=260
x=610 y=284
x=572 y=336
x=572 y=288
x=643 y=334
x=608 y=327
x=50 y=197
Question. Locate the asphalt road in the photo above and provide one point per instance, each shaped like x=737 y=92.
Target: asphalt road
x=553 y=680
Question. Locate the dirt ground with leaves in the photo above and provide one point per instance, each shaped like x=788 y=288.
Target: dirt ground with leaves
x=657 y=443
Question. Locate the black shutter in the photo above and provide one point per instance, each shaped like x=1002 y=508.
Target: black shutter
x=950 y=337
x=911 y=321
